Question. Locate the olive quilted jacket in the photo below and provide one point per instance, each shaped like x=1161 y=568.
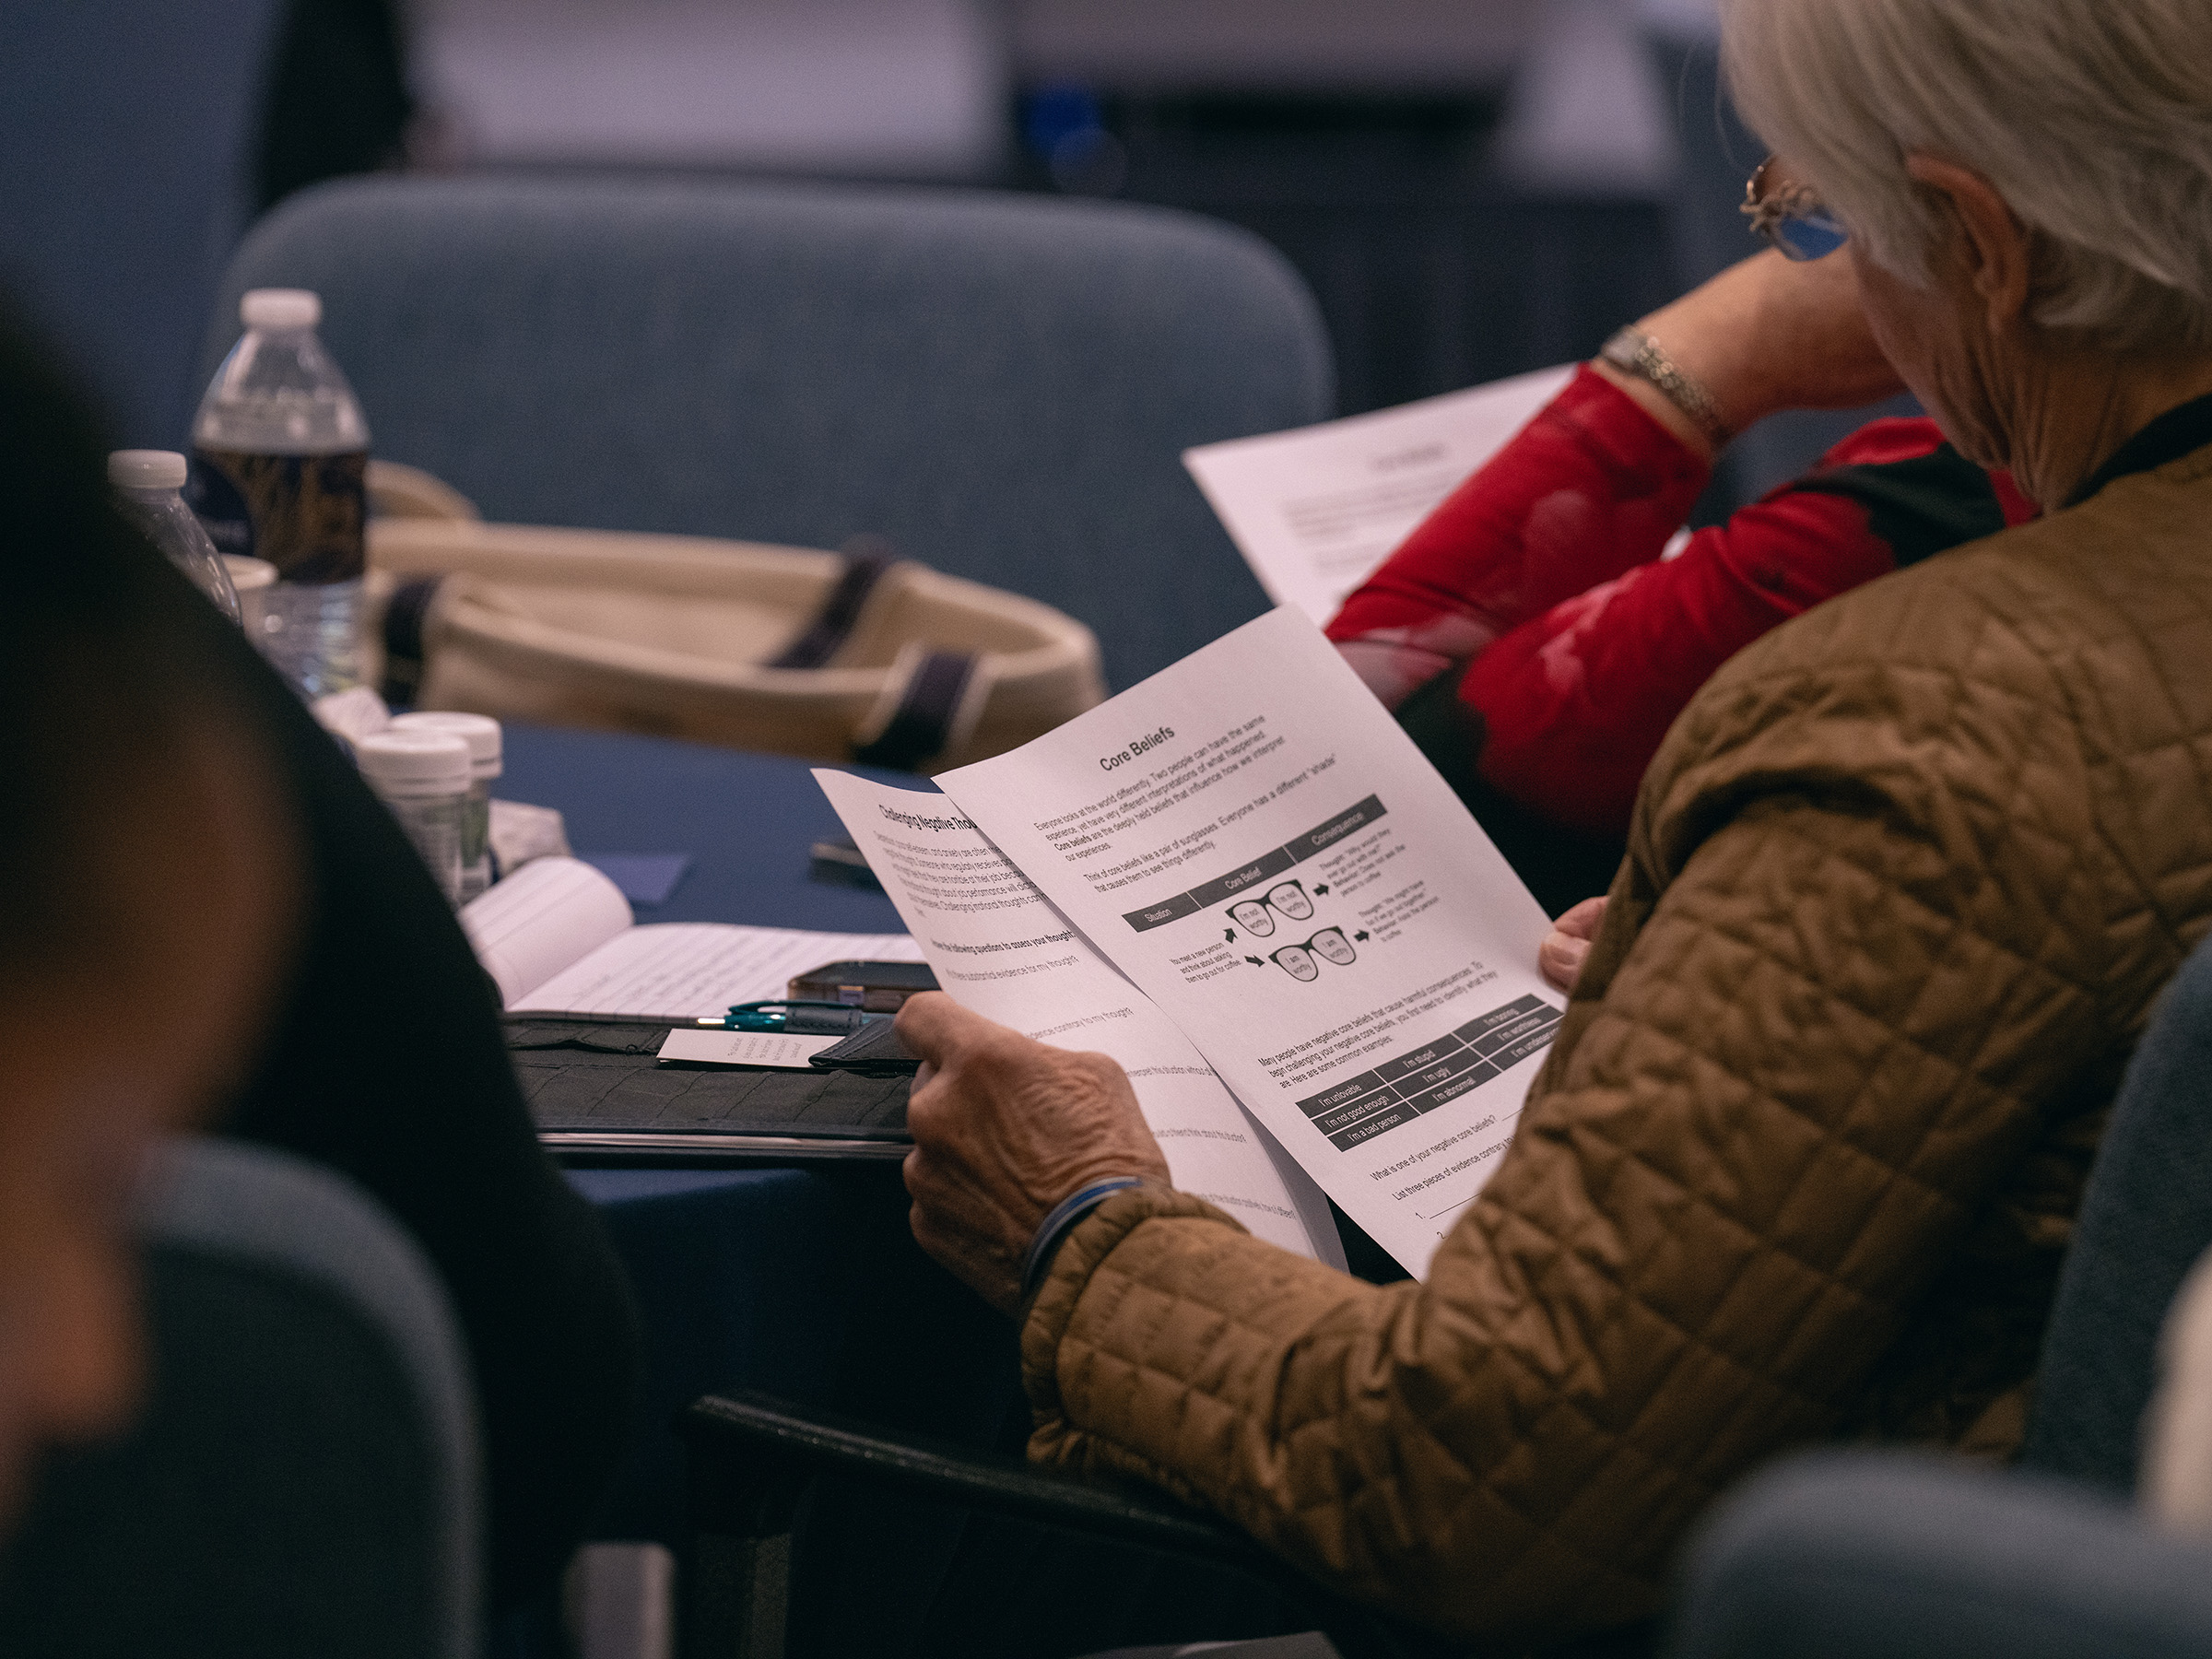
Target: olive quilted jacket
x=1903 y=885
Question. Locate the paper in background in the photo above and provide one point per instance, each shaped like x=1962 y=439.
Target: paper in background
x=1315 y=509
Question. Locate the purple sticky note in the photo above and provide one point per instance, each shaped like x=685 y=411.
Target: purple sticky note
x=645 y=877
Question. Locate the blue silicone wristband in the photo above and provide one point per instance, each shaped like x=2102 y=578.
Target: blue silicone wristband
x=1057 y=1226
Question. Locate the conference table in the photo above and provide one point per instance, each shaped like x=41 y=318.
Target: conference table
x=800 y=1279
x=745 y=821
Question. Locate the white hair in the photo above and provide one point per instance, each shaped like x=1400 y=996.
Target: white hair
x=2091 y=118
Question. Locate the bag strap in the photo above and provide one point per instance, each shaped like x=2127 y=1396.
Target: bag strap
x=922 y=710
x=405 y=617
x=864 y=567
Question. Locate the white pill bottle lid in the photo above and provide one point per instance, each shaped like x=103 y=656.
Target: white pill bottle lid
x=414 y=765
x=480 y=731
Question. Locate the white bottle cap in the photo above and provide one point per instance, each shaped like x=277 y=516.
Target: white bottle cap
x=410 y=765
x=248 y=572
x=280 y=307
x=146 y=469
x=480 y=731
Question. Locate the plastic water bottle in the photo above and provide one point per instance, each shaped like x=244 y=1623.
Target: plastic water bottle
x=482 y=734
x=423 y=777
x=146 y=483
x=279 y=471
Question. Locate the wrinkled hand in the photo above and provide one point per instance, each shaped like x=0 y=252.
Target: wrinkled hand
x=1769 y=333
x=1565 y=947
x=1004 y=1129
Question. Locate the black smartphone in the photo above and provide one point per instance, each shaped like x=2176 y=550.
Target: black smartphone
x=878 y=987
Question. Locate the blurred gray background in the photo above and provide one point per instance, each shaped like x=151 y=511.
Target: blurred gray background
x=1472 y=188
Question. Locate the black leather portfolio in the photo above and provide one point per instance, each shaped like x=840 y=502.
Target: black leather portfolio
x=597 y=1089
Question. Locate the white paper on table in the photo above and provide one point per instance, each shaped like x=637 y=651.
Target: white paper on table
x=557 y=937
x=780 y=1050
x=999 y=948
x=1316 y=509
x=1254 y=842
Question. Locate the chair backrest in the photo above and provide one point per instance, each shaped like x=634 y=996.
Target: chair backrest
x=2146 y=1219
x=302 y=1478
x=1001 y=385
x=127 y=129
x=1888 y=1555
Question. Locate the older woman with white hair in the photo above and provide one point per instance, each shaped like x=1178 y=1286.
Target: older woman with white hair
x=1902 y=884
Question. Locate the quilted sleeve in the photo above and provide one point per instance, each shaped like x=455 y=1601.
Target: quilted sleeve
x=1796 y=1068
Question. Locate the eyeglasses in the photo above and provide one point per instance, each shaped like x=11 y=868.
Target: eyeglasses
x=1790 y=216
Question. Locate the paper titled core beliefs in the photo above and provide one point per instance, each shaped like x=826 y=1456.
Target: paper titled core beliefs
x=1251 y=840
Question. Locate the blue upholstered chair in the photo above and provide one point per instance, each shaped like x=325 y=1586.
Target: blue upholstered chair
x=1883 y=1556
x=303 y=1477
x=1001 y=385
x=127 y=129
x=1853 y=1555
x=2144 y=1221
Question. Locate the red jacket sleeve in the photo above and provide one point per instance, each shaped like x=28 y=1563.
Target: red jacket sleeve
x=1592 y=487
x=1542 y=573
x=1575 y=701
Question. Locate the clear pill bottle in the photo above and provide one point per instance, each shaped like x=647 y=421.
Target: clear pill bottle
x=481 y=732
x=423 y=777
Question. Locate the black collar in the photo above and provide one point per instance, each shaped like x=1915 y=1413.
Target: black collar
x=2182 y=430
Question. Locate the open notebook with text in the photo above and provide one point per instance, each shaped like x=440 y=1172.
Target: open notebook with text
x=559 y=939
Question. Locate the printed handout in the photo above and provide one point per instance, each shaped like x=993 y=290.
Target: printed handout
x=996 y=945
x=1252 y=842
x=1315 y=509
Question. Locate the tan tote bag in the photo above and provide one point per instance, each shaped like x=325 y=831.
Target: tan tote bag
x=827 y=656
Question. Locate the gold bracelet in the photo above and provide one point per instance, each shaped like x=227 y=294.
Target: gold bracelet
x=1634 y=352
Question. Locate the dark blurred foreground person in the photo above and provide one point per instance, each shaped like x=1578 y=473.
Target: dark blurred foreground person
x=149 y=885
x=1902 y=884
x=378 y=1052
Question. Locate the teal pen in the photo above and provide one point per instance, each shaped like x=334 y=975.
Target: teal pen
x=798 y=1019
